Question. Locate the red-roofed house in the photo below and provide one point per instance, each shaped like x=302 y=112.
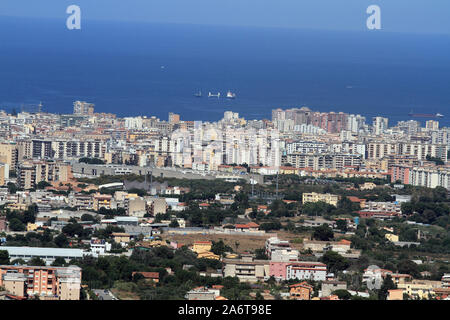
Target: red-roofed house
x=151 y=276
x=251 y=226
x=204 y=205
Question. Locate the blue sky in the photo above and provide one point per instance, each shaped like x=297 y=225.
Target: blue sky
x=415 y=16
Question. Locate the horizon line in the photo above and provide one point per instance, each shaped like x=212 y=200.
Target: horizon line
x=250 y=26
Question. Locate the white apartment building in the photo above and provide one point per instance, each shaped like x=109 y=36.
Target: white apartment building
x=306 y=270
x=430 y=177
x=134 y=123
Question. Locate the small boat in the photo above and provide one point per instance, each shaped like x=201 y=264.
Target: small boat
x=231 y=95
x=198 y=94
x=210 y=95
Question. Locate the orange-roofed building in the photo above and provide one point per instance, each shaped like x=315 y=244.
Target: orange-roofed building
x=362 y=202
x=204 y=205
x=345 y=242
x=301 y=291
x=153 y=276
x=395 y=294
x=251 y=226
x=263 y=209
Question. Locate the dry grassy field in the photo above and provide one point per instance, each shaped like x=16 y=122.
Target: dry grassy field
x=125 y=295
x=239 y=243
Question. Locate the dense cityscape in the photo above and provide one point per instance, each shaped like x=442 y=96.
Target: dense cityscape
x=306 y=205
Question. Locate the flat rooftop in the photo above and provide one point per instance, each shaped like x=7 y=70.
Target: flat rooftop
x=40 y=251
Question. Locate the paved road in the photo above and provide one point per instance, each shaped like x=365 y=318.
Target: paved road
x=104 y=294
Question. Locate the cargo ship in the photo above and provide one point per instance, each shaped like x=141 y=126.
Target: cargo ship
x=425 y=115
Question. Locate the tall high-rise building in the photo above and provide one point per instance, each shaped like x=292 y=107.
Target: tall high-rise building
x=380 y=125
x=331 y=122
x=82 y=107
x=9 y=154
x=432 y=125
x=174 y=118
x=31 y=172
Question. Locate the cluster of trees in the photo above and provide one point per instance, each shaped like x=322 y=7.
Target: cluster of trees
x=91 y=160
x=75 y=229
x=334 y=261
x=33 y=239
x=12 y=188
x=213 y=215
x=429 y=207
x=323 y=233
x=113 y=271
x=42 y=185
x=278 y=208
x=219 y=247
x=270 y=226
x=344 y=206
x=111 y=213
x=437 y=161
x=19 y=220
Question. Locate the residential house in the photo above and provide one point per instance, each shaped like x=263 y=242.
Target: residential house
x=301 y=291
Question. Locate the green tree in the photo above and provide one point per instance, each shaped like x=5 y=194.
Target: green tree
x=220 y=248
x=137 y=277
x=61 y=240
x=317 y=208
x=268 y=226
x=342 y=294
x=36 y=261
x=87 y=217
x=4 y=257
x=334 y=261
x=12 y=188
x=387 y=285
x=341 y=224
x=408 y=267
x=260 y=254
x=174 y=224
x=16 y=225
x=59 y=262
x=73 y=229
x=323 y=233
x=42 y=185
x=91 y=160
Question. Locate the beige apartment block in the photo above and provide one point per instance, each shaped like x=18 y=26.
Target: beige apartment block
x=325 y=197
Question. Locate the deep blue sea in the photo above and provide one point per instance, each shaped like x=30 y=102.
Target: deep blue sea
x=152 y=69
